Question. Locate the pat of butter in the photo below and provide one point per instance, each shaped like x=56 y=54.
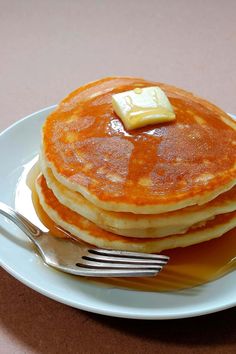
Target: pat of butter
x=142 y=106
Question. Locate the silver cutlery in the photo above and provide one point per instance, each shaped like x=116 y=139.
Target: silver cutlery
x=75 y=258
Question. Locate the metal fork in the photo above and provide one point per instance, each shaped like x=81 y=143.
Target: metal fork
x=76 y=258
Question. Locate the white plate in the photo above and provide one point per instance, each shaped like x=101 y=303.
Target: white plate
x=18 y=145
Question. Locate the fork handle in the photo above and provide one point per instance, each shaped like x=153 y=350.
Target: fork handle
x=24 y=224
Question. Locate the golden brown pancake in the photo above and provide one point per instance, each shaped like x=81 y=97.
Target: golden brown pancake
x=87 y=231
x=150 y=170
x=143 y=225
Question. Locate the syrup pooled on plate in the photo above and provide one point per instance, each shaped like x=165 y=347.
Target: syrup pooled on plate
x=187 y=268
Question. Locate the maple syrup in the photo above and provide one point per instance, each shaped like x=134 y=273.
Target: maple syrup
x=187 y=268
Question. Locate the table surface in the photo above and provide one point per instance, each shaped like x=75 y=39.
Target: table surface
x=49 y=48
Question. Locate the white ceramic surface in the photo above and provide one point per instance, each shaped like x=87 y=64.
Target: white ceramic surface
x=18 y=145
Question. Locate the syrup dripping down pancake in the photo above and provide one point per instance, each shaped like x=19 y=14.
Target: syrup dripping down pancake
x=134 y=225
x=87 y=231
x=150 y=170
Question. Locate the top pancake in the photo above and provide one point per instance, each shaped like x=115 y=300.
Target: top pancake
x=153 y=169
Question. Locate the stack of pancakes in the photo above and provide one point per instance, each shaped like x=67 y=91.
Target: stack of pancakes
x=158 y=187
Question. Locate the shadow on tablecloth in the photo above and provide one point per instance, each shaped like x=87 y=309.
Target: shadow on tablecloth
x=40 y=325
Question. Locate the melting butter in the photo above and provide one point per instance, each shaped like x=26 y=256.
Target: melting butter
x=142 y=106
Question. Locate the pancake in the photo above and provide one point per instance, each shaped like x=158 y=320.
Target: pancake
x=134 y=225
x=87 y=231
x=151 y=170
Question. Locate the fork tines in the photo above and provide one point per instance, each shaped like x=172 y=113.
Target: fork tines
x=122 y=263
